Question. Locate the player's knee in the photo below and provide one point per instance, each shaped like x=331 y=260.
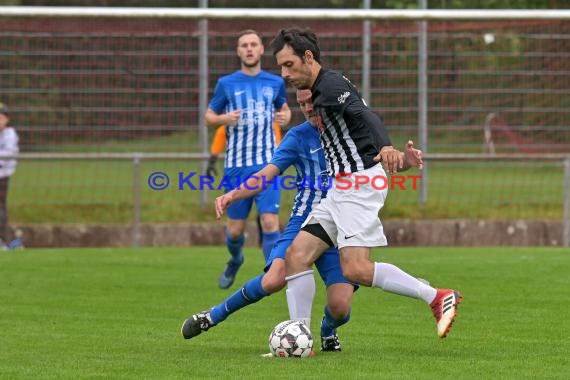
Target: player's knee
x=352 y=272
x=235 y=230
x=339 y=308
x=269 y=222
x=339 y=298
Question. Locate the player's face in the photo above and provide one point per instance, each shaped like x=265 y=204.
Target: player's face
x=249 y=50
x=304 y=98
x=295 y=70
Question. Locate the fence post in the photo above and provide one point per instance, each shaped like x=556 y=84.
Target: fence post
x=203 y=97
x=366 y=44
x=566 y=222
x=423 y=101
x=136 y=198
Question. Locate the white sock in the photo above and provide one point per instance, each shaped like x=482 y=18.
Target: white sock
x=392 y=279
x=300 y=294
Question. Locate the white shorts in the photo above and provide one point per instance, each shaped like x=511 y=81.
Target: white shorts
x=349 y=213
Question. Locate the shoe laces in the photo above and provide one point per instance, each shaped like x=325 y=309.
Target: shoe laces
x=331 y=342
x=204 y=320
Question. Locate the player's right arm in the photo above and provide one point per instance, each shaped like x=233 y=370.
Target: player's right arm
x=254 y=185
x=216 y=114
x=214 y=119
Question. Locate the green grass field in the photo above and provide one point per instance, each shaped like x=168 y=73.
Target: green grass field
x=102 y=192
x=116 y=314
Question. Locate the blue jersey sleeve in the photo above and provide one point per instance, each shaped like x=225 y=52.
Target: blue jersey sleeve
x=281 y=98
x=287 y=152
x=219 y=101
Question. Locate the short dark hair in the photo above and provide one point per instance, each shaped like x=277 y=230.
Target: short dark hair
x=300 y=40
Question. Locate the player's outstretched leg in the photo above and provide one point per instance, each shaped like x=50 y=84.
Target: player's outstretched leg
x=443 y=302
x=250 y=293
x=196 y=324
x=444 y=308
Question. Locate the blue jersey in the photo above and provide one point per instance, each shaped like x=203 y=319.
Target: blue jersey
x=302 y=148
x=252 y=141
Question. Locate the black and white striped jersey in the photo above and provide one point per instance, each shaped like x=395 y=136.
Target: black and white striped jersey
x=351 y=134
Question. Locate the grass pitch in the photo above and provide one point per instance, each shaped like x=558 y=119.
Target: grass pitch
x=116 y=314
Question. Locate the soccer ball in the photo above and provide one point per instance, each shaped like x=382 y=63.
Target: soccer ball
x=291 y=339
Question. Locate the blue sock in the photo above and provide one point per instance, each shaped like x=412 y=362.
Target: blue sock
x=269 y=240
x=250 y=293
x=329 y=324
x=235 y=246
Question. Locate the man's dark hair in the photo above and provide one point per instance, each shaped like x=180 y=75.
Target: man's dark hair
x=300 y=40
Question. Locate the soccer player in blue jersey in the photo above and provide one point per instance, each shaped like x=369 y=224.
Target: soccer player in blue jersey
x=247 y=102
x=300 y=148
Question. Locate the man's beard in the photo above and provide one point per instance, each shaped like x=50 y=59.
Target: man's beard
x=250 y=65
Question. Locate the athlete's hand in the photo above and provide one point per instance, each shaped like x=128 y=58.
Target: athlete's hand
x=413 y=156
x=232 y=118
x=280 y=118
x=222 y=203
x=392 y=160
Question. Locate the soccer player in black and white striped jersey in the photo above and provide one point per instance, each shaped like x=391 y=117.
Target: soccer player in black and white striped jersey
x=355 y=143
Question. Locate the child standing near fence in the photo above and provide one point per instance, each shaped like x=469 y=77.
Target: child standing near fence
x=8 y=147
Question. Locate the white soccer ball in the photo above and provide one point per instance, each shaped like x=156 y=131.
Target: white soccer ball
x=291 y=339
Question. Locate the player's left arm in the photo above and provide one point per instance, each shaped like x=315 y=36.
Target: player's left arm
x=282 y=111
x=283 y=116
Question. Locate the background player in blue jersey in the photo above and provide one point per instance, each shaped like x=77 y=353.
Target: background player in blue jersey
x=300 y=148
x=247 y=102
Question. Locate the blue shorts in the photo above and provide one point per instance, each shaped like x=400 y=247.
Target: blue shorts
x=328 y=264
x=266 y=202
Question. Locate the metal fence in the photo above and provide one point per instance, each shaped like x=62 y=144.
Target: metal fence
x=118 y=188
x=77 y=75
x=118 y=81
